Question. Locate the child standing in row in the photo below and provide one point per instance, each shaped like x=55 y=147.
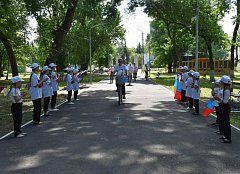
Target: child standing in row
x=215 y=93
x=47 y=91
x=184 y=77
x=36 y=93
x=69 y=81
x=225 y=109
x=16 y=107
x=75 y=83
x=189 y=84
x=196 y=92
x=54 y=82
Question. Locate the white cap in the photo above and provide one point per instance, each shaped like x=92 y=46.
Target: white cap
x=75 y=71
x=191 y=72
x=217 y=82
x=69 y=69
x=226 y=79
x=180 y=67
x=45 y=68
x=185 y=68
x=16 y=79
x=34 y=66
x=51 y=65
x=196 y=74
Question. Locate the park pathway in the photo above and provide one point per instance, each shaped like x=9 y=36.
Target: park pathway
x=148 y=134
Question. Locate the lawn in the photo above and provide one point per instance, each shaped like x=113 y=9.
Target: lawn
x=167 y=80
x=6 y=124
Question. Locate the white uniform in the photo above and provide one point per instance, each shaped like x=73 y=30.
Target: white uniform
x=47 y=90
x=15 y=92
x=196 y=90
x=76 y=83
x=217 y=93
x=69 y=82
x=184 y=78
x=35 y=91
x=54 y=81
x=180 y=78
x=226 y=96
x=188 y=85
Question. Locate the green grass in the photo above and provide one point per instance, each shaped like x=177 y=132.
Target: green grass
x=167 y=80
x=6 y=123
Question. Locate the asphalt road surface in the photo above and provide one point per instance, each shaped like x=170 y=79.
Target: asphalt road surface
x=149 y=134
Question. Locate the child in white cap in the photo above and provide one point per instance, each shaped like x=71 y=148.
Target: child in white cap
x=183 y=80
x=54 y=80
x=47 y=91
x=69 y=88
x=36 y=93
x=189 y=84
x=196 y=92
x=75 y=83
x=16 y=107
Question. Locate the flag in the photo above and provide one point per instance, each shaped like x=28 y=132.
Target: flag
x=177 y=90
x=178 y=96
x=209 y=109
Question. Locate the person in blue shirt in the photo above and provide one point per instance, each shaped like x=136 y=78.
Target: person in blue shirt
x=47 y=90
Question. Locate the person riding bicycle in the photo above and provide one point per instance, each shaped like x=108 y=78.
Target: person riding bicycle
x=121 y=70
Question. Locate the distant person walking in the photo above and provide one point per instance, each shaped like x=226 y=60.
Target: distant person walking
x=54 y=81
x=135 y=71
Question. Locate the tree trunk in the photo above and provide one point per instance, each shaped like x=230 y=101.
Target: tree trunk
x=236 y=58
x=234 y=38
x=61 y=34
x=170 y=65
x=10 y=53
x=175 y=59
x=211 y=62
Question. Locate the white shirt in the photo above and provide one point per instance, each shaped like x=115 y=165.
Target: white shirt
x=35 y=91
x=69 y=82
x=188 y=85
x=217 y=93
x=54 y=81
x=47 y=90
x=130 y=70
x=76 y=83
x=196 y=90
x=135 y=69
x=225 y=96
x=15 y=92
x=184 y=78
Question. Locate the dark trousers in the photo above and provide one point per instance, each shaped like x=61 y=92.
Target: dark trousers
x=75 y=94
x=217 y=108
x=146 y=74
x=16 y=110
x=183 y=95
x=37 y=107
x=54 y=99
x=69 y=96
x=190 y=102
x=46 y=103
x=123 y=89
x=196 y=105
x=226 y=120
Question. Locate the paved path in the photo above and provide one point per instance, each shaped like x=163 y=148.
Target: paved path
x=148 y=134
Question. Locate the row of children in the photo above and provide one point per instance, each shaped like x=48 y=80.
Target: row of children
x=44 y=86
x=189 y=82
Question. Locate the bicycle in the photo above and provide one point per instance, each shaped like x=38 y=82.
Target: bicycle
x=120 y=80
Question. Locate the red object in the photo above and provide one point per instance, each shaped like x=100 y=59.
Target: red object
x=1 y=88
x=207 y=112
x=175 y=90
x=178 y=96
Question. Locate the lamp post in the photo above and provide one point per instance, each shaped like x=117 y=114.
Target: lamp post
x=142 y=46
x=196 y=51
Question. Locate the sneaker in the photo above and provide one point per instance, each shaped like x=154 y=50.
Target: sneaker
x=19 y=136
x=189 y=108
x=70 y=103
x=37 y=123
x=24 y=133
x=226 y=141
x=76 y=99
x=53 y=109
x=124 y=97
